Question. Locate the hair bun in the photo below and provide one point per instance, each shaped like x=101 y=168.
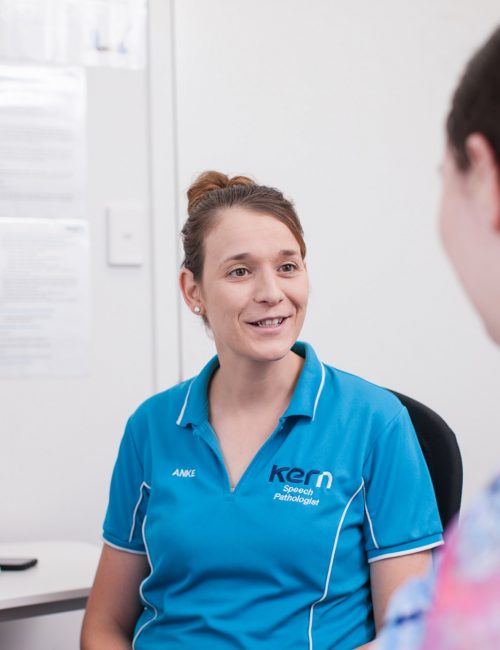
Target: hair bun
x=210 y=181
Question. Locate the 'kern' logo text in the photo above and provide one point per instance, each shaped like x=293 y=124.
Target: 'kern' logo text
x=298 y=475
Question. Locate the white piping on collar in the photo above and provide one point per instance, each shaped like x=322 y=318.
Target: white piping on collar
x=181 y=414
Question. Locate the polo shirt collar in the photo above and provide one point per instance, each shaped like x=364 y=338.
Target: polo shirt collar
x=304 y=400
x=195 y=407
x=310 y=385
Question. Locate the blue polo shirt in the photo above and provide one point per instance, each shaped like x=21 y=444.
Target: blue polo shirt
x=282 y=561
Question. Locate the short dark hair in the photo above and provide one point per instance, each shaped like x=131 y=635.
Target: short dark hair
x=475 y=106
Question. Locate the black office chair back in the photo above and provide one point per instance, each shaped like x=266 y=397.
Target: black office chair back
x=442 y=455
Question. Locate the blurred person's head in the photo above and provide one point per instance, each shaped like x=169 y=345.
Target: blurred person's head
x=470 y=204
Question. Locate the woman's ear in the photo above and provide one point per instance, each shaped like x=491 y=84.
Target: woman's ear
x=484 y=175
x=191 y=291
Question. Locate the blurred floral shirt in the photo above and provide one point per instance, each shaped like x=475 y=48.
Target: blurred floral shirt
x=456 y=606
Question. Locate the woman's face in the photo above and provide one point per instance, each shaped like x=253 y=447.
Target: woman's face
x=469 y=238
x=255 y=286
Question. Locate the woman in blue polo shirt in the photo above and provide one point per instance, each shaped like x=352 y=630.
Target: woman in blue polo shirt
x=272 y=502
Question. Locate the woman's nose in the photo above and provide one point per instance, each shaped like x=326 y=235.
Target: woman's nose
x=268 y=288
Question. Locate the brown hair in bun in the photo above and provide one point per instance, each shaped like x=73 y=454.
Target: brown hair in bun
x=211 y=181
x=213 y=191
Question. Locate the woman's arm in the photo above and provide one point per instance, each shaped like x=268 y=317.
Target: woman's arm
x=114 y=604
x=387 y=575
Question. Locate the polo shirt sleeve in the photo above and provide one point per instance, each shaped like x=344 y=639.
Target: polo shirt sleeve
x=128 y=498
x=401 y=514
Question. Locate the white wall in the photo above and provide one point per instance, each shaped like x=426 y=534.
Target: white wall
x=60 y=434
x=341 y=105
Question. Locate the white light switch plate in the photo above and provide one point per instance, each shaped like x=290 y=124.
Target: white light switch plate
x=126 y=224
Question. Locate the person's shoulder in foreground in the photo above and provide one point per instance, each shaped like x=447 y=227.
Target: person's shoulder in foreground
x=457 y=606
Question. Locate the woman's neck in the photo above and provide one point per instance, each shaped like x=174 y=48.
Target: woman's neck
x=246 y=385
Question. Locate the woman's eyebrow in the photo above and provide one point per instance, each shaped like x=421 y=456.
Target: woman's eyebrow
x=238 y=257
x=288 y=252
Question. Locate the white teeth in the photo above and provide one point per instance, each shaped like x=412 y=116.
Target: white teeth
x=270 y=322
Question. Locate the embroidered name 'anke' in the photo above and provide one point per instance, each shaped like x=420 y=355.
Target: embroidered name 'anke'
x=184 y=473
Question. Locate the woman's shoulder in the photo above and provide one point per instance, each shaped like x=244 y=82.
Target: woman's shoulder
x=164 y=403
x=349 y=392
x=361 y=393
x=360 y=384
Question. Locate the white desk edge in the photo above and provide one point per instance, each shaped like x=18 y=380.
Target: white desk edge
x=60 y=581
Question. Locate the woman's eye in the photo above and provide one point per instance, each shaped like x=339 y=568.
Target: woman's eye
x=238 y=273
x=288 y=267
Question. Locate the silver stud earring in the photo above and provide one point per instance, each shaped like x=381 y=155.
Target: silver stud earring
x=197 y=310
